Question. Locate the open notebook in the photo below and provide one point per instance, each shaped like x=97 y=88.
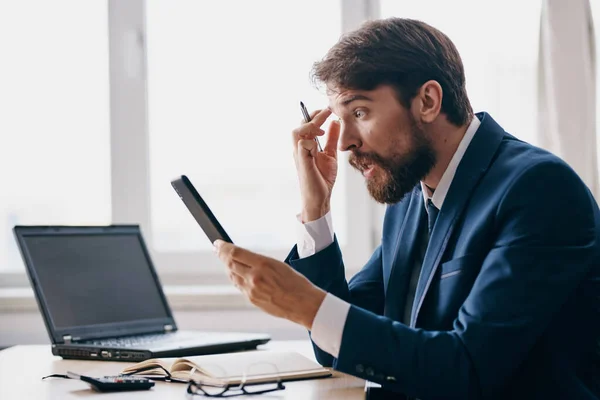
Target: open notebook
x=256 y=366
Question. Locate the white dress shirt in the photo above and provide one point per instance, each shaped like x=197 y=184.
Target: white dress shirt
x=314 y=236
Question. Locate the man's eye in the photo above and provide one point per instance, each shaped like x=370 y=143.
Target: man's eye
x=359 y=113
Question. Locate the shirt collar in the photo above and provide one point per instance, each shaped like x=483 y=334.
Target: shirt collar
x=441 y=191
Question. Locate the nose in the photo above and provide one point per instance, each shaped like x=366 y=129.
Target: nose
x=349 y=138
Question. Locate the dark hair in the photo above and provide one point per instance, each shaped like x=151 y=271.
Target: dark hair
x=400 y=52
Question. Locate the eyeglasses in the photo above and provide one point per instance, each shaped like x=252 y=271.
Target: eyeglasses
x=196 y=388
x=243 y=388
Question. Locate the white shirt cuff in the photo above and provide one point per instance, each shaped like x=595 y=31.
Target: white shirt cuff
x=314 y=236
x=328 y=326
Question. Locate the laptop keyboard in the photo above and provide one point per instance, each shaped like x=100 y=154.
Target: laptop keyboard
x=135 y=341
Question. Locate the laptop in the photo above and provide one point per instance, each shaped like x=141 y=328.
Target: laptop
x=101 y=299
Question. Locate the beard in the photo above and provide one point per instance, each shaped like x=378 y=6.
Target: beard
x=393 y=178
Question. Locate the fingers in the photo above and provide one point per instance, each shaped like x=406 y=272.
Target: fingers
x=237 y=280
x=229 y=252
x=307 y=148
x=312 y=116
x=312 y=129
x=333 y=135
x=320 y=118
x=306 y=131
x=237 y=270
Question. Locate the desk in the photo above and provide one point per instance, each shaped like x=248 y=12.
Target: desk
x=22 y=367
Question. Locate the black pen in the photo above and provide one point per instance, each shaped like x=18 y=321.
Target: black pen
x=307 y=120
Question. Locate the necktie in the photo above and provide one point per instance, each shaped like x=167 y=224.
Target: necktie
x=423 y=242
x=432 y=213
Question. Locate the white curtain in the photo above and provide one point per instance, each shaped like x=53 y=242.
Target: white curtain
x=567 y=87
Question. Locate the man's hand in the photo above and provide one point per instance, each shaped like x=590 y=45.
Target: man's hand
x=271 y=285
x=316 y=170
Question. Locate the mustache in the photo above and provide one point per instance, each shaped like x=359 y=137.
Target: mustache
x=361 y=161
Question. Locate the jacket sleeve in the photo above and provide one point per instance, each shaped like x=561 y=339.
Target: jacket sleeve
x=326 y=270
x=544 y=246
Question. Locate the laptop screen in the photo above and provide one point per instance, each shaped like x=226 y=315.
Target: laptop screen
x=91 y=279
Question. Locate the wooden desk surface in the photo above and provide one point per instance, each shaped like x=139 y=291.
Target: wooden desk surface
x=22 y=367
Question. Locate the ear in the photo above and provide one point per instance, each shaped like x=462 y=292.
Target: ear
x=429 y=101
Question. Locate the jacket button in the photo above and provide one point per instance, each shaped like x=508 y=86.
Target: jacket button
x=390 y=378
x=370 y=371
x=360 y=368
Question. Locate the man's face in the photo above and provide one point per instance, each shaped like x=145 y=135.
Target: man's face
x=388 y=146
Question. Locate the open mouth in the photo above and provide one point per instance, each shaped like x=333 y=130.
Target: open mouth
x=368 y=170
x=365 y=165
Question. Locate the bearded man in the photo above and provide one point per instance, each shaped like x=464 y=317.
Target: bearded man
x=485 y=283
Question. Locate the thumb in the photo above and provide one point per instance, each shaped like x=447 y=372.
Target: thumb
x=333 y=135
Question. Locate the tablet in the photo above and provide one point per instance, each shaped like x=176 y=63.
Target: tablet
x=199 y=209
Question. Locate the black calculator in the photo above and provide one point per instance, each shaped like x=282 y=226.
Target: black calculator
x=114 y=383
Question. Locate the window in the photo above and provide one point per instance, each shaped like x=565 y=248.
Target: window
x=499 y=53
x=224 y=80
x=55 y=153
x=97 y=139
x=222 y=111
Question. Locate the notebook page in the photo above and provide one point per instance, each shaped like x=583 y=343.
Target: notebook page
x=257 y=362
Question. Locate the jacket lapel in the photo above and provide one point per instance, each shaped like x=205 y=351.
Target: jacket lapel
x=474 y=163
x=404 y=252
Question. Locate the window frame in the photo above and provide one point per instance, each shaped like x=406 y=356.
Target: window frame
x=202 y=268
x=130 y=156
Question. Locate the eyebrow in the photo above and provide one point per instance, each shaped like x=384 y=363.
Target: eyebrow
x=354 y=97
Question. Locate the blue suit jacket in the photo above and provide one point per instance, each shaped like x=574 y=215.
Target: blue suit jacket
x=507 y=305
